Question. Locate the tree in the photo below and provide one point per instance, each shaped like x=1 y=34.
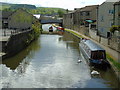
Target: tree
x=60 y=13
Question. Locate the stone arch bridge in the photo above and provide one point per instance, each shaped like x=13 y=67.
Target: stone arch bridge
x=50 y=20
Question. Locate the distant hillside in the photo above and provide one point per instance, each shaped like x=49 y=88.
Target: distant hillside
x=4 y=5
x=48 y=11
x=33 y=9
x=16 y=6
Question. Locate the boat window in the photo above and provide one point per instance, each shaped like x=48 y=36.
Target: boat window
x=98 y=55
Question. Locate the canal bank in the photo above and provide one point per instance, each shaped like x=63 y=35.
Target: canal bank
x=17 y=42
x=114 y=64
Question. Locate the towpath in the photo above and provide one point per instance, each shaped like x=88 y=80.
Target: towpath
x=113 y=53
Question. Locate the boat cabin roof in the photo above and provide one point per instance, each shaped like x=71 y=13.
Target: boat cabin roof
x=93 y=46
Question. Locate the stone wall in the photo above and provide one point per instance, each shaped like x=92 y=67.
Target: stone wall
x=17 y=42
x=93 y=35
x=113 y=42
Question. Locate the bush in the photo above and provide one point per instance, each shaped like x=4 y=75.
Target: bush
x=37 y=30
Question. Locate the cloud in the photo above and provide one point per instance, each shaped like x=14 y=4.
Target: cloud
x=112 y=0
x=67 y=4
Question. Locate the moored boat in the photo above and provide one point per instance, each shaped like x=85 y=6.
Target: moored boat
x=51 y=29
x=94 y=54
x=60 y=30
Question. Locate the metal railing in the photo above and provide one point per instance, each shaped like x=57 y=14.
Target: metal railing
x=9 y=32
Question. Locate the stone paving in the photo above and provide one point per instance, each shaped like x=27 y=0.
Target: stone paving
x=5 y=34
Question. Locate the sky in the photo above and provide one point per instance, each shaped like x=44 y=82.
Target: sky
x=66 y=4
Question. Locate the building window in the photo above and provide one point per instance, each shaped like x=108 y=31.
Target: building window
x=111 y=11
x=119 y=14
x=71 y=15
x=87 y=13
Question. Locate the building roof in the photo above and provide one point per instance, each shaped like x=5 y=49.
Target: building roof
x=88 y=8
x=117 y=3
x=93 y=46
x=5 y=14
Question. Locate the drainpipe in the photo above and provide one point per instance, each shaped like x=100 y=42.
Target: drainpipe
x=114 y=15
x=97 y=20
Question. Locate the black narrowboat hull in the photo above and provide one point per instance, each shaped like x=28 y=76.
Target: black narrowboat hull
x=104 y=64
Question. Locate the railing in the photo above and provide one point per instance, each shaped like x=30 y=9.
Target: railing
x=9 y=32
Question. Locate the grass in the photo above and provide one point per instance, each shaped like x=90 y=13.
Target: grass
x=74 y=33
x=116 y=64
x=47 y=32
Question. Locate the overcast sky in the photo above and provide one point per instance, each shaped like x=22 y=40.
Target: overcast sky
x=66 y=4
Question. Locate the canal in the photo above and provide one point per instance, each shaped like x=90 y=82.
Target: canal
x=51 y=62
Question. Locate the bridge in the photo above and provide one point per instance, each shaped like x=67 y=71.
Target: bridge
x=50 y=21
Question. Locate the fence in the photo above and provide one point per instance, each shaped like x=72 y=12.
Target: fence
x=9 y=32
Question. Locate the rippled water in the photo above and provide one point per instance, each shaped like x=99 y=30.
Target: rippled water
x=51 y=62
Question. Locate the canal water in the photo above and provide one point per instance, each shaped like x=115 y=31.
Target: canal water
x=51 y=62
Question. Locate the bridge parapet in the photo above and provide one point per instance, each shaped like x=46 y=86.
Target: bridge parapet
x=50 y=21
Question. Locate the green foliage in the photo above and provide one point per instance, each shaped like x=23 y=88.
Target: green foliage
x=5 y=6
x=29 y=39
x=74 y=33
x=34 y=35
x=116 y=64
x=47 y=11
x=37 y=29
x=61 y=13
x=17 y=6
x=114 y=28
x=34 y=10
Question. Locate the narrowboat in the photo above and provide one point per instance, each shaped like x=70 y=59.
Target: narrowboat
x=93 y=53
x=60 y=30
x=51 y=29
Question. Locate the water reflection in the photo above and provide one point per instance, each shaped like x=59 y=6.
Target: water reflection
x=25 y=55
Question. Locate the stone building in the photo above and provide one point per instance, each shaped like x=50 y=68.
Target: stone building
x=117 y=13
x=105 y=18
x=80 y=16
x=88 y=14
x=4 y=18
x=20 y=19
x=68 y=20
